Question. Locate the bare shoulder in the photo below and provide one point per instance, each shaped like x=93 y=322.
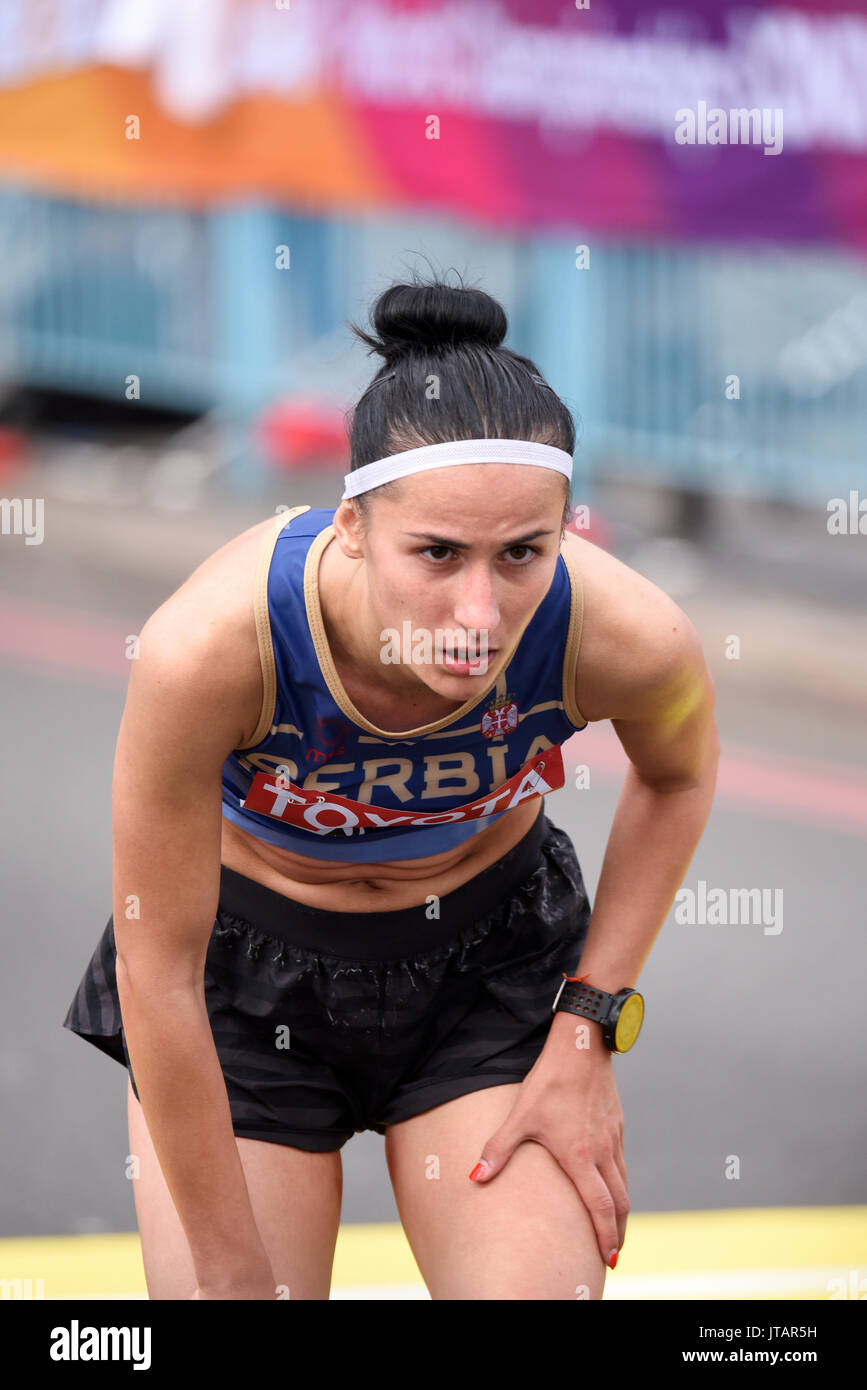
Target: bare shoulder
x=638 y=647
x=206 y=629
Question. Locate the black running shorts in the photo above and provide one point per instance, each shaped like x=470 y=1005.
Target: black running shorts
x=330 y=1023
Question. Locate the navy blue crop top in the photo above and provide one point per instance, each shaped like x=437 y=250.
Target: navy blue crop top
x=320 y=779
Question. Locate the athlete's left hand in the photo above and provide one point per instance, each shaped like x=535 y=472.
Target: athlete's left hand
x=568 y=1103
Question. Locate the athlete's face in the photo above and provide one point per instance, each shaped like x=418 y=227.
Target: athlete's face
x=467 y=553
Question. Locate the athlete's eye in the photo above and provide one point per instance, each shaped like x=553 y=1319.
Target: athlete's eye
x=531 y=550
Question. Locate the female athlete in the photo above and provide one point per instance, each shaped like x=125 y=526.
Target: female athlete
x=338 y=903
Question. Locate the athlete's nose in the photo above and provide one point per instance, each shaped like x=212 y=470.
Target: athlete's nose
x=476 y=603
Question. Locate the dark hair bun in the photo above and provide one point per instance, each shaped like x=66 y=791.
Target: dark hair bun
x=416 y=317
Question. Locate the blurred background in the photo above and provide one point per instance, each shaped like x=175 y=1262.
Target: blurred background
x=194 y=199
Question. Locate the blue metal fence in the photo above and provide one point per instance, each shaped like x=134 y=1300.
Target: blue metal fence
x=719 y=369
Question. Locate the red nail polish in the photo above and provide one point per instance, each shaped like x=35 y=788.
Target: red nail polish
x=477 y=1171
x=613 y=1261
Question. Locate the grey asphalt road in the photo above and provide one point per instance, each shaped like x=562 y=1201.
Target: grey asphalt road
x=754 y=1042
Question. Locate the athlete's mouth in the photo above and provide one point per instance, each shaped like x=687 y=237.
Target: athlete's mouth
x=474 y=663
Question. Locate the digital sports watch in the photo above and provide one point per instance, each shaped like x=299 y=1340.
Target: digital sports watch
x=621 y=1015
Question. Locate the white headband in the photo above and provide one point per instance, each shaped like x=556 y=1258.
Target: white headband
x=454 y=452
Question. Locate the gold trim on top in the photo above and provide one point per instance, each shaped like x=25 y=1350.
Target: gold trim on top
x=263 y=625
x=329 y=671
x=573 y=639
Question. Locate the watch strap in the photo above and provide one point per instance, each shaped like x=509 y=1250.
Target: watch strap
x=579 y=997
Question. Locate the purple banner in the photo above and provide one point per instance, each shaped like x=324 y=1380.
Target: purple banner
x=699 y=120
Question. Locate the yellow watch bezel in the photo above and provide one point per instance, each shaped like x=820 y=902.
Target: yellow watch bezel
x=629 y=1022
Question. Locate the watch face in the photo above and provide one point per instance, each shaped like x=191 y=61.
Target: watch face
x=629 y=1022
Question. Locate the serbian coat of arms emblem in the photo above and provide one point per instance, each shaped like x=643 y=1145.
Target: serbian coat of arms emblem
x=500 y=717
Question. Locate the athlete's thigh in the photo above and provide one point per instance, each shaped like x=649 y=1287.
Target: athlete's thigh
x=295 y=1196
x=524 y=1235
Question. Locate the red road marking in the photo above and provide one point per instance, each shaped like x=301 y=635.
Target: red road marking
x=63 y=642
x=786 y=786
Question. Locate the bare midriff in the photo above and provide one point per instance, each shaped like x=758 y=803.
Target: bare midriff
x=384 y=887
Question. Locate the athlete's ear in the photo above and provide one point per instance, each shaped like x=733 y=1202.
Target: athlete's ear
x=349 y=528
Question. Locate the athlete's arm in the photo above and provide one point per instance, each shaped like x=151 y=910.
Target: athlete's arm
x=185 y=711
x=642 y=666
